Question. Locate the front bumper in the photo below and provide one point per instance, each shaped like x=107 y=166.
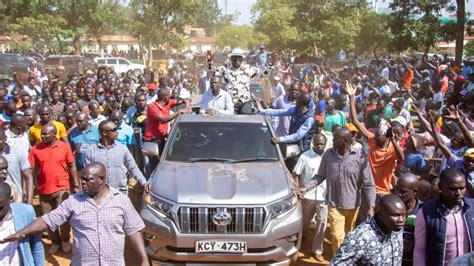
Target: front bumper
x=167 y=246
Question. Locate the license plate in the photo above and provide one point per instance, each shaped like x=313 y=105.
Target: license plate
x=220 y=246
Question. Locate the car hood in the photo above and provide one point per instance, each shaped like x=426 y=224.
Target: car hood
x=210 y=183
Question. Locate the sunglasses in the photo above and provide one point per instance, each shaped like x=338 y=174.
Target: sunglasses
x=112 y=129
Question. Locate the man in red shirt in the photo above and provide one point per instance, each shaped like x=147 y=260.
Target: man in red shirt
x=158 y=118
x=55 y=164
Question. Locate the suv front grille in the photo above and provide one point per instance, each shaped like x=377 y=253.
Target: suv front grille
x=200 y=220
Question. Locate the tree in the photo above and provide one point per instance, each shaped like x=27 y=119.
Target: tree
x=207 y=16
x=275 y=19
x=52 y=29
x=469 y=49
x=373 y=37
x=415 y=24
x=104 y=19
x=158 y=22
x=460 y=14
x=240 y=36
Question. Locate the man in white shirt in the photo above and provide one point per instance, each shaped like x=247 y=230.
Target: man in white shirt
x=17 y=135
x=314 y=200
x=94 y=114
x=215 y=100
x=277 y=88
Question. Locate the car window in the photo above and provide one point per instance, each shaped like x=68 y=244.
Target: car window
x=111 y=61
x=51 y=61
x=122 y=62
x=8 y=58
x=101 y=61
x=233 y=141
x=71 y=61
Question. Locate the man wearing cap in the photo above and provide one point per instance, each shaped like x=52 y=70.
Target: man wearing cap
x=278 y=89
x=237 y=77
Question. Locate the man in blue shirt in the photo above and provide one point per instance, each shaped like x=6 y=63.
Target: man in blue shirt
x=81 y=137
x=301 y=124
x=125 y=132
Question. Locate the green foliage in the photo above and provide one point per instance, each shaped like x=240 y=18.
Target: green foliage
x=240 y=36
x=469 y=49
x=414 y=24
x=373 y=37
x=207 y=16
x=42 y=29
x=157 y=22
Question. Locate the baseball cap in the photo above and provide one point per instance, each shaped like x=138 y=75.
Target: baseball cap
x=351 y=127
x=469 y=153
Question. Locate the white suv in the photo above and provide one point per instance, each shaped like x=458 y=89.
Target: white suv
x=120 y=65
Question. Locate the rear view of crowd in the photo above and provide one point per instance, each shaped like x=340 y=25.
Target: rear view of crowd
x=386 y=155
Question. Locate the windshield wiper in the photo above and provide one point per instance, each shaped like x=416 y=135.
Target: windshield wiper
x=208 y=159
x=254 y=159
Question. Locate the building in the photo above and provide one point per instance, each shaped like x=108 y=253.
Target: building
x=8 y=42
x=198 y=41
x=111 y=42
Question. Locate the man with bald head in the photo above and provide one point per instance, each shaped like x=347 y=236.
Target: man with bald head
x=55 y=164
x=14 y=217
x=406 y=188
x=16 y=133
x=10 y=109
x=346 y=173
x=124 y=131
x=82 y=137
x=45 y=113
x=116 y=158
x=378 y=241
x=314 y=205
x=19 y=170
x=100 y=217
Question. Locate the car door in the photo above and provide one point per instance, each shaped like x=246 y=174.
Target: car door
x=112 y=63
x=123 y=65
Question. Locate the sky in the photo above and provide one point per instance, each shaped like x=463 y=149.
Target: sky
x=245 y=16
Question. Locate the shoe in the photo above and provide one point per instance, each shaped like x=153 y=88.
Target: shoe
x=318 y=257
x=66 y=247
x=53 y=249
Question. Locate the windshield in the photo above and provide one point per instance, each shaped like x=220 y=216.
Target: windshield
x=225 y=142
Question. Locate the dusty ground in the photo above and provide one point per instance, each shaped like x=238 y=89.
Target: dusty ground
x=304 y=257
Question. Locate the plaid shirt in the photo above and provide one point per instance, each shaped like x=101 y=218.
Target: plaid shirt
x=99 y=230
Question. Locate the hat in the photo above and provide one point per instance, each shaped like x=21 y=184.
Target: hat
x=276 y=78
x=400 y=119
x=151 y=86
x=320 y=119
x=351 y=127
x=469 y=153
x=89 y=72
x=262 y=46
x=236 y=52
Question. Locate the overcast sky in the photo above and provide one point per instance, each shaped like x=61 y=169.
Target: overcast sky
x=244 y=6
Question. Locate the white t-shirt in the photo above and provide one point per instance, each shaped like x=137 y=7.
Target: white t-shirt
x=306 y=167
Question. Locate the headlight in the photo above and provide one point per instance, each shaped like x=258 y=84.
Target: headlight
x=282 y=206
x=162 y=206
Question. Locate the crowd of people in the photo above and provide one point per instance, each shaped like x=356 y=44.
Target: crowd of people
x=386 y=155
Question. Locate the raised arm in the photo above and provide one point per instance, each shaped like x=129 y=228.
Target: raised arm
x=351 y=90
x=454 y=115
x=444 y=149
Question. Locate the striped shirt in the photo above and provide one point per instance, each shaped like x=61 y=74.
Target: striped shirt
x=99 y=230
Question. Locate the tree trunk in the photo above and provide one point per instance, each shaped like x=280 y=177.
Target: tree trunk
x=77 y=45
x=101 y=46
x=460 y=13
x=150 y=55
